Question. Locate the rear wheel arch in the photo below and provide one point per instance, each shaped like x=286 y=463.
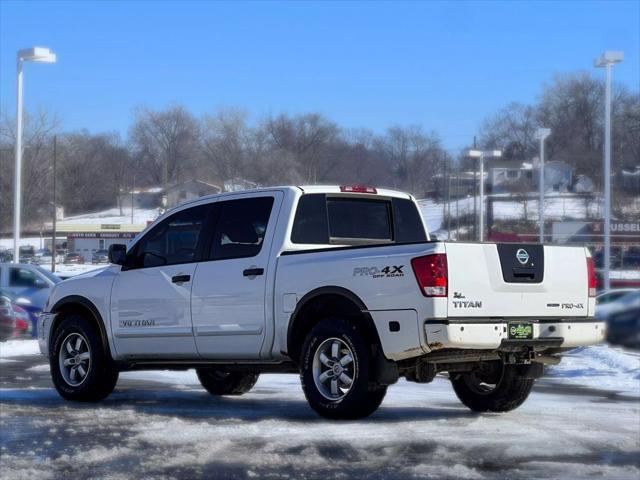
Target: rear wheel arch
x=77 y=305
x=322 y=303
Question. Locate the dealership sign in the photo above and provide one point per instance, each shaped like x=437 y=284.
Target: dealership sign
x=101 y=234
x=617 y=228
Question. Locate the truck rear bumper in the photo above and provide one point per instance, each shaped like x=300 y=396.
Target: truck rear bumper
x=491 y=334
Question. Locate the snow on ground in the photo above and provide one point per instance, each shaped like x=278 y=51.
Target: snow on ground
x=17 y=348
x=164 y=425
x=113 y=215
x=72 y=270
x=507 y=207
x=600 y=366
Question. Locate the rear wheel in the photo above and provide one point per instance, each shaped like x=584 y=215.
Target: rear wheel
x=336 y=371
x=219 y=382
x=494 y=388
x=81 y=369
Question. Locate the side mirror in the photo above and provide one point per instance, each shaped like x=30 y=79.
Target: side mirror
x=117 y=254
x=39 y=283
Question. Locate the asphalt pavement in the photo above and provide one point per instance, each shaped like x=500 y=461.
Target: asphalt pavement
x=164 y=425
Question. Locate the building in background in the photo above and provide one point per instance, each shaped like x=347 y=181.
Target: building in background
x=174 y=195
x=88 y=238
x=189 y=190
x=507 y=176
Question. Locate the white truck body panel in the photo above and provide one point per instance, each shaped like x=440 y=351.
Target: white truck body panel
x=474 y=271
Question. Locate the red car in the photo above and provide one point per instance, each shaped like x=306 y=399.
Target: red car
x=23 y=322
x=73 y=258
x=15 y=321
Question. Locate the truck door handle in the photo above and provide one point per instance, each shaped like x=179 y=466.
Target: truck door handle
x=252 y=272
x=180 y=278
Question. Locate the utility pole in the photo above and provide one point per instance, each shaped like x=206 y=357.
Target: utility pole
x=133 y=186
x=458 y=201
x=448 y=196
x=475 y=189
x=542 y=134
x=55 y=207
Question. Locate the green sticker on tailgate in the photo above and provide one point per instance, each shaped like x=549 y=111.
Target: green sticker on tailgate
x=520 y=331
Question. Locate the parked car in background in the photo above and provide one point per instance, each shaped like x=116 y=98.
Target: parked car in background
x=100 y=256
x=7 y=318
x=615 y=258
x=29 y=287
x=612 y=295
x=22 y=319
x=631 y=258
x=26 y=253
x=6 y=255
x=623 y=319
x=60 y=254
x=73 y=258
x=42 y=258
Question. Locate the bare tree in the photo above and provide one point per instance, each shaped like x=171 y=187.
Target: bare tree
x=165 y=144
x=413 y=156
x=511 y=130
x=225 y=138
x=307 y=138
x=36 y=162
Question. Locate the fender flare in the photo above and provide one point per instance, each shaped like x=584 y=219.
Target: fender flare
x=328 y=290
x=89 y=305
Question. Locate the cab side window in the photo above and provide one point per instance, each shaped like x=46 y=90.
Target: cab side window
x=173 y=241
x=240 y=228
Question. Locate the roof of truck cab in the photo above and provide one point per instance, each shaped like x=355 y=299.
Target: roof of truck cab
x=385 y=192
x=304 y=188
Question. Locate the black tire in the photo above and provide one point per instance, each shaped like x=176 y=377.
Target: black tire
x=508 y=391
x=101 y=375
x=364 y=396
x=219 y=382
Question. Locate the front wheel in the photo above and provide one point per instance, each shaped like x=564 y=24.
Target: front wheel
x=495 y=388
x=337 y=371
x=81 y=369
x=219 y=382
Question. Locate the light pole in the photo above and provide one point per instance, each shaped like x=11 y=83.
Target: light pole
x=541 y=135
x=481 y=154
x=606 y=61
x=39 y=55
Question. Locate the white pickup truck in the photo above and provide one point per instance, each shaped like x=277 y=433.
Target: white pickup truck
x=340 y=284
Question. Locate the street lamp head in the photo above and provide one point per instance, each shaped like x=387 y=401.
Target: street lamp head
x=543 y=133
x=609 y=57
x=37 y=54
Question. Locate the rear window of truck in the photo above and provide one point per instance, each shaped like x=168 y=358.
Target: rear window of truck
x=326 y=220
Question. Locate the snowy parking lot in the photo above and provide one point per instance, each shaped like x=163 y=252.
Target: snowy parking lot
x=582 y=420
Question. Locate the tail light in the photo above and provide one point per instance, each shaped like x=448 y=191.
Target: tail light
x=431 y=274
x=591 y=277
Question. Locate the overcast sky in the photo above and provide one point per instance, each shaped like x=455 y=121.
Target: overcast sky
x=444 y=66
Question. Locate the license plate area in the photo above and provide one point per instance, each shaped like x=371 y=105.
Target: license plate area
x=520 y=331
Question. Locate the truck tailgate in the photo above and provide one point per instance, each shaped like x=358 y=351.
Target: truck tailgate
x=506 y=280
